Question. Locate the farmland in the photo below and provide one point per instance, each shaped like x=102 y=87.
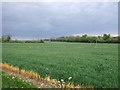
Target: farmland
x=86 y=63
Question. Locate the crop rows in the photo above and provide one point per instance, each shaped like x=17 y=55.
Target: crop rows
x=86 y=64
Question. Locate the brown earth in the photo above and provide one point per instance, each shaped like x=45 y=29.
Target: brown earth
x=40 y=84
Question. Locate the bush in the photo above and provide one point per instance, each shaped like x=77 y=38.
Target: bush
x=93 y=39
x=32 y=41
x=35 y=41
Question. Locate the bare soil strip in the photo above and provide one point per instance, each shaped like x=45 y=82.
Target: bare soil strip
x=40 y=84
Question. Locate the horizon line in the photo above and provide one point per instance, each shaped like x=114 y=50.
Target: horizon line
x=36 y=38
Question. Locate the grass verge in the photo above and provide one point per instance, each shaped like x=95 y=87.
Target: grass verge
x=36 y=76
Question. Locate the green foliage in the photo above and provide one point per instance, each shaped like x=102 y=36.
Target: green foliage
x=0 y=39
x=6 y=38
x=84 y=36
x=106 y=37
x=17 y=41
x=10 y=81
x=2 y=72
x=41 y=41
x=87 y=63
x=30 y=41
x=35 y=41
x=93 y=39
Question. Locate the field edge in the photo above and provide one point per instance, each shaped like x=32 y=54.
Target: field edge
x=34 y=75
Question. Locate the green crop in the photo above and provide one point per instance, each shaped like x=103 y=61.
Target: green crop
x=86 y=63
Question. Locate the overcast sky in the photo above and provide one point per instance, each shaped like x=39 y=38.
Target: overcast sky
x=49 y=19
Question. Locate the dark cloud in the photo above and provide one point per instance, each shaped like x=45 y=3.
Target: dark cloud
x=45 y=20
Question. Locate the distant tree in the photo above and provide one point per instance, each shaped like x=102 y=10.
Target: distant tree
x=41 y=41
x=85 y=35
x=71 y=39
x=6 y=38
x=94 y=39
x=77 y=38
x=106 y=36
x=99 y=36
x=0 y=39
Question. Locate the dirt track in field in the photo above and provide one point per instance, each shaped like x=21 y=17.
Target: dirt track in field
x=40 y=84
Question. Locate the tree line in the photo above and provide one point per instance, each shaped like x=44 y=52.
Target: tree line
x=7 y=38
x=106 y=38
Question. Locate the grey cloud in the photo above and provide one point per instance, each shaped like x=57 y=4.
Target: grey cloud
x=55 y=19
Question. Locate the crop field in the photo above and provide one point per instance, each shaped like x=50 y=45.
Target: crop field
x=87 y=64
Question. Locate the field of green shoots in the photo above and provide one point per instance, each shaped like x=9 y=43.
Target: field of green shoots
x=87 y=64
